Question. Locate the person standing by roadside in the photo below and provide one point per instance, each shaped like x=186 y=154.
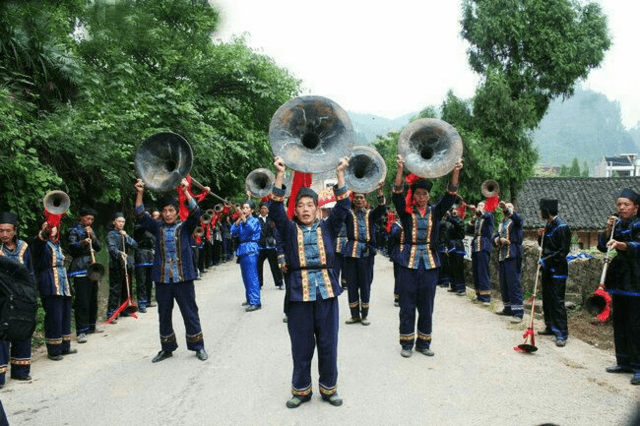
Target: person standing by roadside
x=623 y=282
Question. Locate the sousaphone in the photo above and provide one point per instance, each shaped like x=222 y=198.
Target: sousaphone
x=311 y=134
x=163 y=160
x=490 y=188
x=366 y=169
x=430 y=147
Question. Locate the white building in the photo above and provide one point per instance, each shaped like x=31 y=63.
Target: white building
x=620 y=165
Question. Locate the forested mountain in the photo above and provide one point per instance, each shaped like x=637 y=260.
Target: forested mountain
x=587 y=126
x=368 y=126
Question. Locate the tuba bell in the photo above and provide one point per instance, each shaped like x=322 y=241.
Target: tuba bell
x=430 y=147
x=163 y=160
x=259 y=182
x=311 y=133
x=490 y=188
x=366 y=169
x=56 y=202
x=218 y=208
x=199 y=231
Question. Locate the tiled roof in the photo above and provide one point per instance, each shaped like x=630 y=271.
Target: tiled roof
x=584 y=203
x=618 y=161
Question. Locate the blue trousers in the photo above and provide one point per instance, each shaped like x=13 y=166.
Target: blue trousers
x=481 y=275
x=57 y=324
x=312 y=323
x=20 y=358
x=554 y=287
x=249 y=270
x=456 y=265
x=184 y=294
x=510 y=273
x=626 y=330
x=358 y=272
x=444 y=279
x=417 y=292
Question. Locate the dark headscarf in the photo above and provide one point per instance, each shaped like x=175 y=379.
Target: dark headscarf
x=85 y=211
x=548 y=207
x=630 y=195
x=307 y=192
x=8 y=217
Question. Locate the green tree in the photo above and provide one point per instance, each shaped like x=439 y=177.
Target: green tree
x=585 y=169
x=528 y=52
x=574 y=170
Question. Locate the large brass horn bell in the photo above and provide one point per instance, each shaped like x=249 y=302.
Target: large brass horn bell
x=490 y=188
x=259 y=182
x=56 y=202
x=366 y=169
x=163 y=160
x=430 y=147
x=311 y=134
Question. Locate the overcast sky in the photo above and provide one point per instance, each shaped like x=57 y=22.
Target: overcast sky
x=393 y=59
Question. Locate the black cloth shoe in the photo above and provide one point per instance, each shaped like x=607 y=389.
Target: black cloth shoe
x=244 y=304
x=334 y=399
x=425 y=351
x=162 y=355
x=252 y=308
x=21 y=378
x=635 y=380
x=151 y=305
x=70 y=352
x=618 y=369
x=202 y=355
x=142 y=309
x=296 y=401
x=55 y=357
x=504 y=313
x=546 y=332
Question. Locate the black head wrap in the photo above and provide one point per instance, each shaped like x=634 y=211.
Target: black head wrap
x=117 y=215
x=169 y=200
x=307 y=192
x=8 y=217
x=85 y=211
x=250 y=203
x=630 y=195
x=548 y=207
x=422 y=183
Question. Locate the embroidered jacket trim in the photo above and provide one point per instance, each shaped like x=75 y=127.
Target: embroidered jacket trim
x=356 y=231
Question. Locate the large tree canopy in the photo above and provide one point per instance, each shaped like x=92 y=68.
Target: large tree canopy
x=145 y=66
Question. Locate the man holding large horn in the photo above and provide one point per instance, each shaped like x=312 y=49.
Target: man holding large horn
x=419 y=262
x=312 y=286
x=173 y=269
x=358 y=254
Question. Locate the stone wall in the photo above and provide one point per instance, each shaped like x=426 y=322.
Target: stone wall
x=584 y=274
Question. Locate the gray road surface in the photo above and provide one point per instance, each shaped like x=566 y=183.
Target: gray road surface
x=475 y=378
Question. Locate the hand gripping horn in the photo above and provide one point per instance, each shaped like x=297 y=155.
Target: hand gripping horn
x=311 y=134
x=430 y=147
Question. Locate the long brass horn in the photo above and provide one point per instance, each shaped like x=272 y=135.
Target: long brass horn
x=218 y=208
x=259 y=182
x=366 y=169
x=430 y=147
x=199 y=231
x=311 y=133
x=56 y=202
x=163 y=160
x=490 y=188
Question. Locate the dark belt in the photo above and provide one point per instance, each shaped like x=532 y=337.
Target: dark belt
x=306 y=268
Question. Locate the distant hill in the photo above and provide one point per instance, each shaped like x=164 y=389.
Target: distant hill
x=587 y=126
x=368 y=127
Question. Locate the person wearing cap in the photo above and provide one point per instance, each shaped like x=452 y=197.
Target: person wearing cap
x=119 y=263
x=11 y=247
x=247 y=229
x=81 y=240
x=481 y=227
x=267 y=245
x=173 y=270
x=419 y=262
x=55 y=291
x=555 y=239
x=508 y=239
x=358 y=254
x=623 y=282
x=312 y=287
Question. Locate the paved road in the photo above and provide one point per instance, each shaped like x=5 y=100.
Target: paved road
x=475 y=378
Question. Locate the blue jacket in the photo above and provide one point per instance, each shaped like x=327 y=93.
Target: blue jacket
x=511 y=229
x=361 y=241
x=167 y=262
x=48 y=264
x=482 y=231
x=248 y=234
x=295 y=251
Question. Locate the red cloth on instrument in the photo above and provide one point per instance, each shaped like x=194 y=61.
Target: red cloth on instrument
x=184 y=213
x=54 y=220
x=266 y=198
x=299 y=180
x=409 y=201
x=462 y=211
x=491 y=203
x=391 y=217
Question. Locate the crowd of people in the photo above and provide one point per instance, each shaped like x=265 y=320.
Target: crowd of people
x=314 y=254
